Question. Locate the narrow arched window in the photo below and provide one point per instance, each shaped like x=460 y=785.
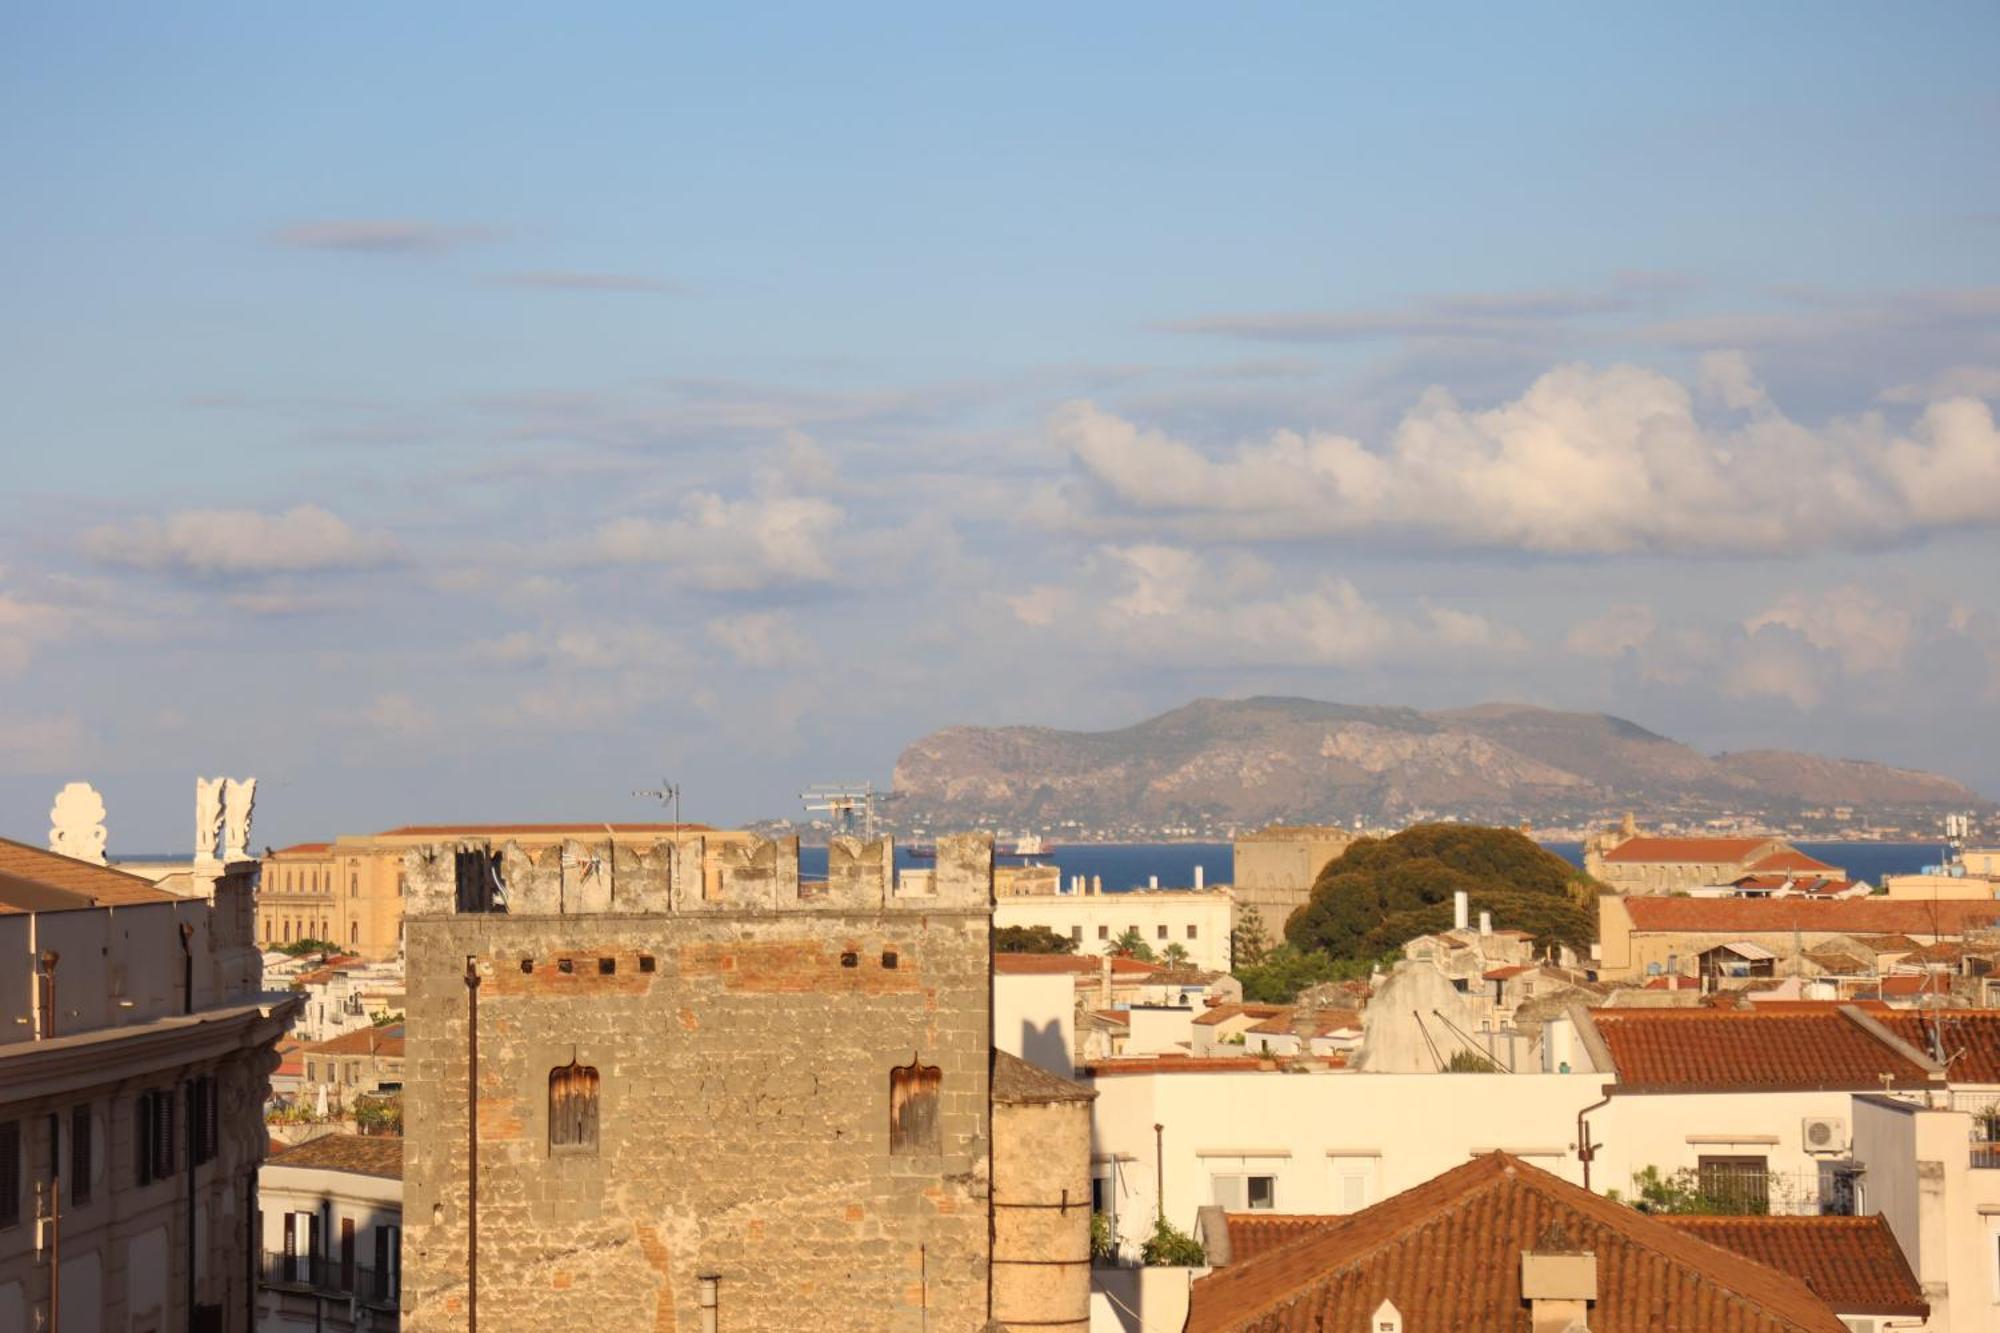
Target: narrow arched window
x=573 y=1108
x=913 y=1108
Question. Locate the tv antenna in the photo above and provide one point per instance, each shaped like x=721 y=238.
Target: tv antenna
x=846 y=805
x=667 y=794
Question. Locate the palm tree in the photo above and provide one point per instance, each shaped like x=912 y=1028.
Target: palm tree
x=1174 y=955
x=1132 y=945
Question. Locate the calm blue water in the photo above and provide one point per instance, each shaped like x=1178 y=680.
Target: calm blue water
x=1861 y=860
x=1126 y=865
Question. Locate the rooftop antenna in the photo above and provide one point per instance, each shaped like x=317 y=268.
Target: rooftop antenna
x=844 y=804
x=667 y=794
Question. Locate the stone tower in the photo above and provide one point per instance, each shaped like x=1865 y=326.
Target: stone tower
x=735 y=1089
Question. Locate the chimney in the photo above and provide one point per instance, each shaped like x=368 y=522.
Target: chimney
x=1486 y=923
x=1198 y=885
x=1461 y=910
x=1104 y=981
x=1559 y=1283
x=1097 y=883
x=1152 y=881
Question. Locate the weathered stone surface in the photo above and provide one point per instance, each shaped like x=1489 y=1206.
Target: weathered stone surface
x=743 y=1043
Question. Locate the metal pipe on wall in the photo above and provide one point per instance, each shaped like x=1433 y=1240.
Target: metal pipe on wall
x=710 y=1313
x=472 y=1145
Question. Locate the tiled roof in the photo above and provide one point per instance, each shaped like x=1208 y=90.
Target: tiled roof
x=1969 y=1038
x=1448 y=1254
x=1839 y=964
x=489 y=830
x=1905 y=985
x=363 y=1154
x=1222 y=1013
x=1502 y=973
x=305 y=849
x=1254 y=1234
x=383 y=1041
x=1867 y=916
x=1703 y=851
x=1852 y=1263
x=33 y=880
x=1016 y=1082
x=1687 y=1050
x=1325 y=1022
x=1792 y=860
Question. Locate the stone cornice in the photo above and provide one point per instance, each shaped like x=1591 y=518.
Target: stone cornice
x=30 y=1070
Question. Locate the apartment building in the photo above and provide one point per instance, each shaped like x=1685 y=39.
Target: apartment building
x=331 y=1240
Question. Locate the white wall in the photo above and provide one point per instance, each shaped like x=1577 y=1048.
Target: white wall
x=1034 y=1017
x=1322 y=1136
x=1157 y=1028
x=1672 y=1131
x=1095 y=919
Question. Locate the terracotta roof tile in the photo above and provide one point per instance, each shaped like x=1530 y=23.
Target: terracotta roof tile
x=361 y=1154
x=1851 y=1263
x=1448 y=1253
x=1849 y=916
x=1017 y=1082
x=1254 y=1234
x=1182 y=1064
x=1969 y=1038
x=1702 y=851
x=305 y=849
x=33 y=880
x=1222 y=1013
x=1750 y=1050
x=1792 y=860
x=1915 y=983
x=382 y=1041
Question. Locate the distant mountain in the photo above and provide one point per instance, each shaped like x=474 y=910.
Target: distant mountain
x=1253 y=760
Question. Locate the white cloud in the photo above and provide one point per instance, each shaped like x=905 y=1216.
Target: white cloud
x=1174 y=607
x=727 y=545
x=1041 y=605
x=240 y=542
x=1958 y=382
x=1613 y=634
x=1584 y=462
x=1868 y=635
x=398 y=713
x=760 y=638
x=26 y=626
x=611 y=646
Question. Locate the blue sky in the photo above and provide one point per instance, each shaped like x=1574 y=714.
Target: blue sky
x=475 y=412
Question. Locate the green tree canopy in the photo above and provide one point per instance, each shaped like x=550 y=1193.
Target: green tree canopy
x=1031 y=939
x=1381 y=892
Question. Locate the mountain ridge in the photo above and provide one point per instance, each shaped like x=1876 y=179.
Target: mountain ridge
x=1284 y=757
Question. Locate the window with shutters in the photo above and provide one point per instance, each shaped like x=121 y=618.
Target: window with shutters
x=573 y=1108
x=153 y=1137
x=79 y=1154
x=347 y=1254
x=388 y=1263
x=10 y=1173
x=913 y=1109
x=204 y=1116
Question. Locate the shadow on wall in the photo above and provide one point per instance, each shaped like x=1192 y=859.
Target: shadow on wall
x=1043 y=1046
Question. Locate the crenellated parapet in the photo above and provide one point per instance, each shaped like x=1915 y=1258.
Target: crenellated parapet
x=691 y=876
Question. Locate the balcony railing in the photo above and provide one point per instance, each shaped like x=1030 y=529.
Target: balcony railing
x=331 y=1277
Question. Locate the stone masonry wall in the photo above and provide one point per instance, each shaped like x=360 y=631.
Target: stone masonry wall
x=743 y=1032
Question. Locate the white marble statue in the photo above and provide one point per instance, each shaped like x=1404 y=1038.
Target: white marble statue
x=76 y=823
x=239 y=796
x=207 y=817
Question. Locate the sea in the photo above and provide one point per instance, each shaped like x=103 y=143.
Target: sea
x=1130 y=865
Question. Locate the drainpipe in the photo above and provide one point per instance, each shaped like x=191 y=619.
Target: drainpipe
x=471 y=1145
x=188 y=1101
x=709 y=1313
x=55 y=1202
x=187 y=968
x=1586 y=1151
x=1159 y=1173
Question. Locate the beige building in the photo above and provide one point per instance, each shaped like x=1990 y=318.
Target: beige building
x=350 y=892
x=645 y=1096
x=1656 y=936
x=1275 y=869
x=135 y=1048
x=1629 y=862
x=366 y=1062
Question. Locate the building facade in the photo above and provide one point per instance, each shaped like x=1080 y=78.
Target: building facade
x=135 y=1048
x=1630 y=862
x=732 y=1093
x=1197 y=921
x=1275 y=869
x=331 y=1236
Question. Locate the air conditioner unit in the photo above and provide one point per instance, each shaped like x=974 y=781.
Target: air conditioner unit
x=1825 y=1134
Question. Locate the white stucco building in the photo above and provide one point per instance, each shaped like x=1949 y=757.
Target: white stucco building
x=331 y=1246
x=1195 y=920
